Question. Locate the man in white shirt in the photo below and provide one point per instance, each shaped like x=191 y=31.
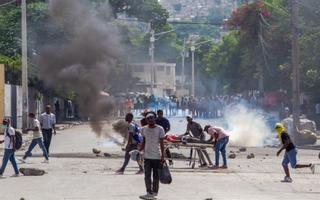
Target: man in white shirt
x=153 y=150
x=48 y=122
x=9 y=148
x=36 y=139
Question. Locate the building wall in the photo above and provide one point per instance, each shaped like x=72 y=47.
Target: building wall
x=165 y=77
x=1 y=91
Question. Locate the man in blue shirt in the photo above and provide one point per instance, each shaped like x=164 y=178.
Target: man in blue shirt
x=162 y=121
x=165 y=124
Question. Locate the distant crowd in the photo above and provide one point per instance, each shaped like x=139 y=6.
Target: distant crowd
x=199 y=107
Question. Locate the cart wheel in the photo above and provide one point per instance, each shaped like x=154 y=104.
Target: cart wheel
x=193 y=165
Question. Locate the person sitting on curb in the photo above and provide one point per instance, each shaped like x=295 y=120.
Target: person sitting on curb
x=221 y=140
x=9 y=148
x=290 y=156
x=36 y=139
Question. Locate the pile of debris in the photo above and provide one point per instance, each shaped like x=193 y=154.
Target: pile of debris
x=306 y=134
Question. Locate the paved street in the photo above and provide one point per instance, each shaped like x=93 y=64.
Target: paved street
x=75 y=173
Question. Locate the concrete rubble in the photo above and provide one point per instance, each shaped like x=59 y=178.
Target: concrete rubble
x=250 y=156
x=232 y=156
x=307 y=132
x=96 y=151
x=32 y=171
x=108 y=155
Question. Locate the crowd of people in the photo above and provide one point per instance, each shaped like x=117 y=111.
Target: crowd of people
x=146 y=145
x=150 y=148
x=198 y=107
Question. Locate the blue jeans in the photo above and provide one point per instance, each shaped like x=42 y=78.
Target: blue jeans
x=34 y=142
x=221 y=146
x=9 y=155
x=47 y=135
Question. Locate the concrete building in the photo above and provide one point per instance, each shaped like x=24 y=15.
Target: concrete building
x=190 y=9
x=165 y=78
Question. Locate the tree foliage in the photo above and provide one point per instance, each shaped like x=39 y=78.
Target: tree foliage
x=147 y=11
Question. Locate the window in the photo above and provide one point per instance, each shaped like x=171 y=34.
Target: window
x=161 y=68
x=168 y=70
x=138 y=68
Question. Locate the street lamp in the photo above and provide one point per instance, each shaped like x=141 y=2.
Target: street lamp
x=193 y=48
x=152 y=47
x=152 y=40
x=184 y=55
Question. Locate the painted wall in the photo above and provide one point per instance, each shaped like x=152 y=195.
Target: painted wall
x=1 y=91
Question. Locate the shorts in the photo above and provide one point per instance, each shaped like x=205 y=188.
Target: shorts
x=290 y=157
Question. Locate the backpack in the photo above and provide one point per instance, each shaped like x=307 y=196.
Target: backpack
x=137 y=135
x=18 y=139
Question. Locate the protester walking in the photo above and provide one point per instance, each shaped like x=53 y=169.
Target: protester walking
x=36 y=139
x=133 y=141
x=48 y=122
x=221 y=139
x=290 y=155
x=165 y=124
x=152 y=148
x=9 y=148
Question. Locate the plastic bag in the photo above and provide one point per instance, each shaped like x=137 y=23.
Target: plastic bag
x=165 y=175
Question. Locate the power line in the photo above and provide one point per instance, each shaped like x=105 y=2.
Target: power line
x=177 y=22
x=196 y=23
x=10 y=2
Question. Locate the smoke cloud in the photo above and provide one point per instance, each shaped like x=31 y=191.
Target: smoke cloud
x=248 y=127
x=89 y=48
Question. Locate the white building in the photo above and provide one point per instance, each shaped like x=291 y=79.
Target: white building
x=165 y=78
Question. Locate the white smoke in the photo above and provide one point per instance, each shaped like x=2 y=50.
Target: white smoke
x=247 y=127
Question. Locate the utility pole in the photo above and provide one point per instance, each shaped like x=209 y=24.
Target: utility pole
x=183 y=54
x=25 y=103
x=193 y=48
x=152 y=40
x=260 y=65
x=295 y=68
x=151 y=52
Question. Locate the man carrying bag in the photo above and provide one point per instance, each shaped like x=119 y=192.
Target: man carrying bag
x=152 y=148
x=165 y=175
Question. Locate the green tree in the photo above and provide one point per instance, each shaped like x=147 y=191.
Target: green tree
x=147 y=11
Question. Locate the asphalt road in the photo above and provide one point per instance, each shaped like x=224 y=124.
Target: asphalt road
x=74 y=172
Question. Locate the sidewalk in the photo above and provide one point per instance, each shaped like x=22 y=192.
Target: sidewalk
x=59 y=127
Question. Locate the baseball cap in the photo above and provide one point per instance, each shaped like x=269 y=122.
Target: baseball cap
x=7 y=121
